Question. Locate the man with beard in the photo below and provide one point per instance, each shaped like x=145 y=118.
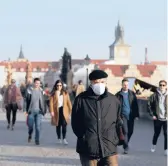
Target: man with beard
x=129 y=111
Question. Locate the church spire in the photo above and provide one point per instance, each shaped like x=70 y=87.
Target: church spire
x=119 y=33
x=21 y=56
x=146 y=56
x=118 y=23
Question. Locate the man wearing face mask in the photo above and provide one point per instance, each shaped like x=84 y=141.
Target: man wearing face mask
x=94 y=116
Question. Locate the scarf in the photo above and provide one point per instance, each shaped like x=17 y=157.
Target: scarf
x=11 y=95
x=162 y=104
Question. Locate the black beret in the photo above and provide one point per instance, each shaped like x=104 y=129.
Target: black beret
x=97 y=74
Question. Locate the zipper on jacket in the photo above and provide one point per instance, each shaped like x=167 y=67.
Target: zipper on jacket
x=99 y=127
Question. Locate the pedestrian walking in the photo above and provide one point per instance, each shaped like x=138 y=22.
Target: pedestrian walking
x=94 y=118
x=60 y=109
x=13 y=102
x=46 y=97
x=129 y=111
x=35 y=110
x=157 y=105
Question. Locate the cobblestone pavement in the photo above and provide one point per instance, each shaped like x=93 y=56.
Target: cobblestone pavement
x=15 y=151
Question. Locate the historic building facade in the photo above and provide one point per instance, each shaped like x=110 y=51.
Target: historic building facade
x=119 y=50
x=24 y=70
x=118 y=65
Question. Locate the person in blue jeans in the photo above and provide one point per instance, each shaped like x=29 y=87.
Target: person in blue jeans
x=34 y=109
x=129 y=111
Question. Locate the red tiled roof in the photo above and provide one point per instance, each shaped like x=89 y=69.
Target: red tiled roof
x=92 y=61
x=97 y=61
x=146 y=70
x=18 y=65
x=40 y=64
x=117 y=70
x=45 y=65
x=3 y=63
x=159 y=62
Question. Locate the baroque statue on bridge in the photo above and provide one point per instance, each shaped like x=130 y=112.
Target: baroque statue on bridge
x=28 y=77
x=66 y=72
x=9 y=73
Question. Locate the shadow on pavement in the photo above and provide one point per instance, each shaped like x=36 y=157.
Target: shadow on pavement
x=40 y=160
x=48 y=138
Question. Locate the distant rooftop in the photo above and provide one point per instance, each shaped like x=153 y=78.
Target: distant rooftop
x=159 y=62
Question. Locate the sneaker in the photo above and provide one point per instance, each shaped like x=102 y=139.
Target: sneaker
x=12 y=127
x=59 y=141
x=166 y=152
x=125 y=151
x=126 y=148
x=65 y=142
x=29 y=139
x=8 y=126
x=153 y=148
x=37 y=142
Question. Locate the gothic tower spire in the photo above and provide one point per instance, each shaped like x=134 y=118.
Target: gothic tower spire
x=119 y=33
x=21 y=56
x=146 y=56
x=119 y=50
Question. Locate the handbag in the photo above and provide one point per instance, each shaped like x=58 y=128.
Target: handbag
x=121 y=134
x=119 y=128
x=20 y=104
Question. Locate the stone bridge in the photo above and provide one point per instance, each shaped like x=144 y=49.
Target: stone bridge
x=15 y=151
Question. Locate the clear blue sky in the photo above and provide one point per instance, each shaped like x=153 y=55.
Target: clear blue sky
x=45 y=27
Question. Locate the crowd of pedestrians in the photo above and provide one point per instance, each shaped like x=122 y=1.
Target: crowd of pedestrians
x=100 y=120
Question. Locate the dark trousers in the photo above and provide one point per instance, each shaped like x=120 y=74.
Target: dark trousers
x=11 y=108
x=107 y=161
x=47 y=105
x=62 y=124
x=128 y=128
x=34 y=118
x=158 y=125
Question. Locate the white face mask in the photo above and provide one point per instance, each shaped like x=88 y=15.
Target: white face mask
x=98 y=88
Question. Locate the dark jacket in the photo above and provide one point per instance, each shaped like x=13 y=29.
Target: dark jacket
x=23 y=91
x=153 y=105
x=134 y=112
x=94 y=121
x=28 y=101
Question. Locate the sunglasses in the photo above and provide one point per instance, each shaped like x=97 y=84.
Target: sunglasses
x=162 y=85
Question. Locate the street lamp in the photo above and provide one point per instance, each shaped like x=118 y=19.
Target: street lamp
x=87 y=62
x=87 y=78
